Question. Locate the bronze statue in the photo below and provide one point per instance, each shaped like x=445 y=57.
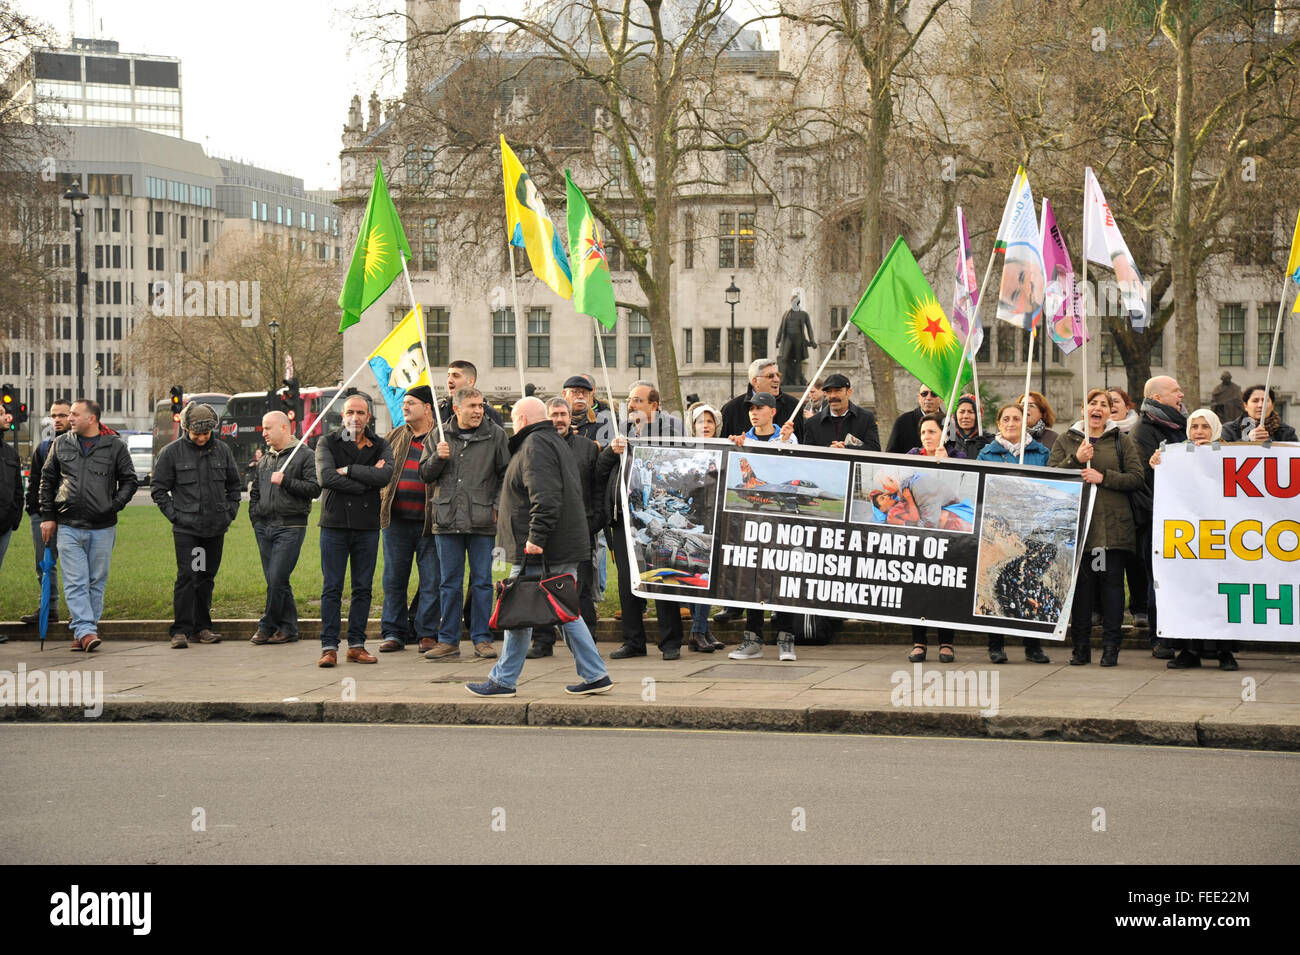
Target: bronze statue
x=794 y=337
x=1226 y=400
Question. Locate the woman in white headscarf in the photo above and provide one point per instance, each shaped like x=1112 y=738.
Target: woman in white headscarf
x=1203 y=427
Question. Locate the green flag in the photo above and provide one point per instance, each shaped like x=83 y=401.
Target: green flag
x=375 y=260
x=593 y=289
x=899 y=312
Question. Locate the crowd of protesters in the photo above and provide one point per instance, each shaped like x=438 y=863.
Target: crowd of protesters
x=449 y=489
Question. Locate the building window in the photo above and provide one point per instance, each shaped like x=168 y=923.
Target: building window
x=713 y=346
x=688 y=240
x=539 y=338
x=840 y=318
x=426 y=164
x=1109 y=350
x=429 y=248
x=1232 y=334
x=745 y=249
x=1007 y=343
x=184 y=227
x=116 y=217
x=688 y=346
x=412 y=164
x=279 y=215
x=757 y=343
x=503 y=338
x=437 y=330
x=726 y=240
x=736 y=165
x=609 y=339
x=638 y=338
x=846 y=243
x=1267 y=322
x=631 y=229
x=796 y=201
x=1157 y=347
x=158 y=220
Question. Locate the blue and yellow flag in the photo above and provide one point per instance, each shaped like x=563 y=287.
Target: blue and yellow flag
x=398 y=364
x=531 y=229
x=1293 y=261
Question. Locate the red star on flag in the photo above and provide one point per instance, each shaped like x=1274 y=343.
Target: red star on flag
x=933 y=328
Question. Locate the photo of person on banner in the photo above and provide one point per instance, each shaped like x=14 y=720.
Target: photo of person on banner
x=914 y=498
x=672 y=497
x=1021 y=295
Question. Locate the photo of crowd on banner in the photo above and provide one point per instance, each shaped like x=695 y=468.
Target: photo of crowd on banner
x=672 y=497
x=914 y=497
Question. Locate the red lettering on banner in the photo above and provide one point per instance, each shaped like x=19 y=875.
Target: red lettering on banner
x=1270 y=478
x=1236 y=474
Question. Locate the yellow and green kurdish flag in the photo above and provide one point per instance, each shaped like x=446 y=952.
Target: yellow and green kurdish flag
x=593 y=288
x=899 y=312
x=375 y=260
x=1293 y=261
x=530 y=228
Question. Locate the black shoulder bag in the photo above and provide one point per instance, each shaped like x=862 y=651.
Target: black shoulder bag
x=535 y=600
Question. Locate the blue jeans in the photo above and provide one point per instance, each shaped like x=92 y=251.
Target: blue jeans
x=338 y=546
x=4 y=545
x=452 y=551
x=576 y=637
x=85 y=555
x=279 y=548
x=404 y=543
x=700 y=618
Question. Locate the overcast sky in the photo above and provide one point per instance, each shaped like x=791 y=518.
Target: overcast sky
x=267 y=81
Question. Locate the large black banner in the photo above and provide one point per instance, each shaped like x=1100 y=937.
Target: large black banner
x=853 y=534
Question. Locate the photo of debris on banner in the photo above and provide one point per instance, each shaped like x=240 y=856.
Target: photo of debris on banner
x=806 y=487
x=933 y=498
x=672 y=495
x=1027 y=547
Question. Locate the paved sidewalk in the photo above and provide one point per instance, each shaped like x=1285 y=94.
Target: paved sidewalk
x=839 y=688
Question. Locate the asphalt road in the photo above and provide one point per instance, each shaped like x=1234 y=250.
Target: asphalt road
x=112 y=793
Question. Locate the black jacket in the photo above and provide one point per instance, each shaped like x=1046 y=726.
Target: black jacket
x=11 y=488
x=906 y=433
x=735 y=414
x=287 y=504
x=197 y=488
x=351 y=501
x=596 y=426
x=464 y=488
x=541 y=499
x=1233 y=431
x=34 y=481
x=86 y=490
x=1147 y=435
x=820 y=429
x=970 y=447
x=606 y=480
x=585 y=454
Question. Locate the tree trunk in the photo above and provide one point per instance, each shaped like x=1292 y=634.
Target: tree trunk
x=1187 y=361
x=881 y=365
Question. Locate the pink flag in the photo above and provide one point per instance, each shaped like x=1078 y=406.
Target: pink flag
x=966 y=291
x=1063 y=307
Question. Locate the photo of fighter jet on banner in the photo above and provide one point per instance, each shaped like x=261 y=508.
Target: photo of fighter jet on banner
x=807 y=487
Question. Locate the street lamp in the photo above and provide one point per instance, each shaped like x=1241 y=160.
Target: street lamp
x=274 y=326
x=639 y=360
x=733 y=299
x=75 y=196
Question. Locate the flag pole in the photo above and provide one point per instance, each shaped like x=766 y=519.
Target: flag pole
x=320 y=418
x=794 y=415
x=1084 y=282
x=520 y=353
x=1024 y=411
x=604 y=370
x=1272 y=354
x=428 y=369
x=965 y=350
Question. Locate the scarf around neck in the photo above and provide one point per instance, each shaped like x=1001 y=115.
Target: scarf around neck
x=1012 y=448
x=1169 y=418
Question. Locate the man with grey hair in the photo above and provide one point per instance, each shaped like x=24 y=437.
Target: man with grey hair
x=197 y=485
x=463 y=473
x=542 y=516
x=763 y=377
x=1162 y=419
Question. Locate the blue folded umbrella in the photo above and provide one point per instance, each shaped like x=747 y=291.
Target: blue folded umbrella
x=47 y=591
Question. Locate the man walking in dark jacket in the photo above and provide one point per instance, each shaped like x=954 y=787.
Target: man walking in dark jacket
x=197 y=485
x=464 y=475
x=279 y=503
x=59 y=413
x=542 y=516
x=11 y=488
x=87 y=478
x=352 y=464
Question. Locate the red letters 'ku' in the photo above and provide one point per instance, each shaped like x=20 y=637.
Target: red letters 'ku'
x=1236 y=474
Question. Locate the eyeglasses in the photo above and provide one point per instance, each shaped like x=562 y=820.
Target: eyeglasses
x=927 y=394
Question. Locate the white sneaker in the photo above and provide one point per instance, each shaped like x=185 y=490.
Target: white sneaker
x=785 y=646
x=751 y=648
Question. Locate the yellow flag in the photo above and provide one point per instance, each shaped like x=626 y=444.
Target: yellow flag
x=1293 y=261
x=531 y=229
x=398 y=364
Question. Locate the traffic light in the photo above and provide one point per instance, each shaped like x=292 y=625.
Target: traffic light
x=9 y=400
x=178 y=401
x=293 y=400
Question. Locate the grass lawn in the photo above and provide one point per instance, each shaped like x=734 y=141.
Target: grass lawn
x=144 y=571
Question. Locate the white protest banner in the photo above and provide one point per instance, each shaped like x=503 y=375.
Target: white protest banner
x=1226 y=542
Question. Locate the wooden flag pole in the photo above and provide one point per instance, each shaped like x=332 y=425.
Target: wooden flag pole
x=970 y=327
x=1084 y=282
x=794 y=415
x=428 y=369
x=604 y=369
x=1272 y=354
x=1024 y=411
x=320 y=418
x=520 y=353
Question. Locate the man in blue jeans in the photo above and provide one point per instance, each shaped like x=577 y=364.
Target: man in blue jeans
x=352 y=464
x=404 y=518
x=279 y=503
x=88 y=477
x=464 y=472
x=542 y=516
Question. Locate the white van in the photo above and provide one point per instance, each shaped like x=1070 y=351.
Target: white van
x=141 y=448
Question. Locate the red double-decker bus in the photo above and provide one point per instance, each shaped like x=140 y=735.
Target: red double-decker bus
x=241 y=424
